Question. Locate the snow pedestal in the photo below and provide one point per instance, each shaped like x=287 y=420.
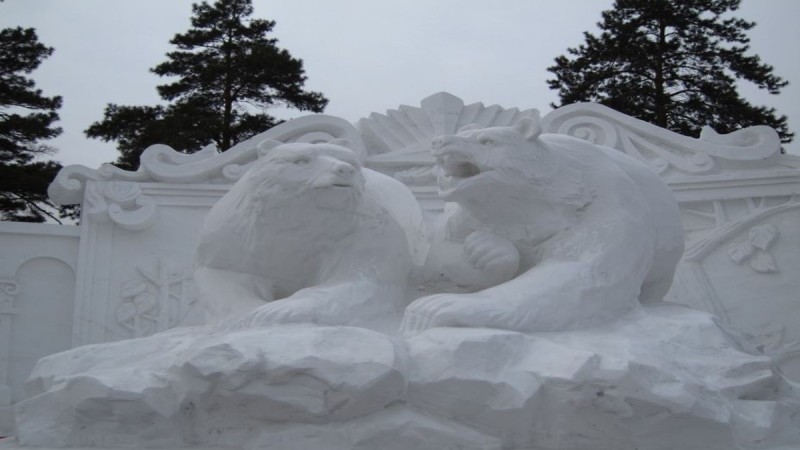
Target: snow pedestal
x=660 y=378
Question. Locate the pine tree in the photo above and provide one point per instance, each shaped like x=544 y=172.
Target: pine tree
x=228 y=73
x=26 y=117
x=673 y=63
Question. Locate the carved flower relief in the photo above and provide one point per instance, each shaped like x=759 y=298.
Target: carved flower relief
x=755 y=249
x=138 y=311
x=159 y=299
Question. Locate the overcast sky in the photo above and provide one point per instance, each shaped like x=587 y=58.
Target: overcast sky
x=364 y=55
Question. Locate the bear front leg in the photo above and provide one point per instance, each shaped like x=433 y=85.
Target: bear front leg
x=343 y=303
x=491 y=260
x=453 y=310
x=589 y=276
x=226 y=294
x=481 y=261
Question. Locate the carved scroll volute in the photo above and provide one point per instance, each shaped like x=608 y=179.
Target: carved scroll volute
x=161 y=164
x=120 y=203
x=664 y=151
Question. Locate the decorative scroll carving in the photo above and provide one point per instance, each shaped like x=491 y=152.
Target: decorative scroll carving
x=158 y=301
x=120 y=202
x=398 y=141
x=160 y=163
x=8 y=290
x=663 y=150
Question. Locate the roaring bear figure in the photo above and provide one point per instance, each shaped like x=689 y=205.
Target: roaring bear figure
x=555 y=233
x=305 y=236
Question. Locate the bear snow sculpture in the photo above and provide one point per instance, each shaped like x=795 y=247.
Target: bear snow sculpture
x=557 y=233
x=304 y=236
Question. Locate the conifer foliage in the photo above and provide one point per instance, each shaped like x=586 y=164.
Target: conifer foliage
x=26 y=118
x=673 y=63
x=226 y=73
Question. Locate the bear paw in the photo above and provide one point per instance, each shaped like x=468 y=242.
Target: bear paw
x=450 y=310
x=492 y=254
x=281 y=312
x=486 y=260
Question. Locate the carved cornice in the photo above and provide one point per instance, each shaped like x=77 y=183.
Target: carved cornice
x=670 y=154
x=161 y=163
x=397 y=143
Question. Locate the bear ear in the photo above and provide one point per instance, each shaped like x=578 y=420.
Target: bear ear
x=265 y=146
x=529 y=127
x=469 y=127
x=342 y=142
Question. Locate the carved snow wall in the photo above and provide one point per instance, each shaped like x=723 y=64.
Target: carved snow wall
x=740 y=203
x=37 y=291
x=132 y=255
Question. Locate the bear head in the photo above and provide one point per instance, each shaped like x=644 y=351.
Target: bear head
x=324 y=173
x=480 y=160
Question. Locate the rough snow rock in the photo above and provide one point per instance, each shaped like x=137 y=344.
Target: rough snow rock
x=200 y=386
x=628 y=385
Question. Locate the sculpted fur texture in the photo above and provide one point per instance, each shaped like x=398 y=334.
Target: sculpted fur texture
x=556 y=233
x=301 y=238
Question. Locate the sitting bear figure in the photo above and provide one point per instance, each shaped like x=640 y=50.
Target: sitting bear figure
x=304 y=236
x=557 y=233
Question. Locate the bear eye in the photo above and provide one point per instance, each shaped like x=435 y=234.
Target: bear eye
x=301 y=160
x=486 y=141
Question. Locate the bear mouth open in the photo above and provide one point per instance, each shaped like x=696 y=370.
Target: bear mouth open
x=455 y=166
x=453 y=171
x=461 y=169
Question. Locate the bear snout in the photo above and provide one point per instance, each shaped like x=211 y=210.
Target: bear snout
x=443 y=144
x=439 y=143
x=344 y=169
x=338 y=174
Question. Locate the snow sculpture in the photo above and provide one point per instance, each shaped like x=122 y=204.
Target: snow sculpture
x=559 y=233
x=319 y=362
x=302 y=237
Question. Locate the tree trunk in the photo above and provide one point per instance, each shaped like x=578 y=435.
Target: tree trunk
x=660 y=97
x=227 y=137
